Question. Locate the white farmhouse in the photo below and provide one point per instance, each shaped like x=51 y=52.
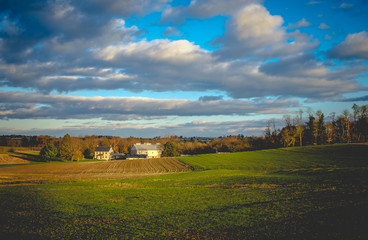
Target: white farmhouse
x=103 y=153
x=147 y=149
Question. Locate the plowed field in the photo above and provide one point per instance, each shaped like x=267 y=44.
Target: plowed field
x=11 y=159
x=91 y=170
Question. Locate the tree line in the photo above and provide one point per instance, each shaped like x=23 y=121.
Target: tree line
x=298 y=130
x=345 y=128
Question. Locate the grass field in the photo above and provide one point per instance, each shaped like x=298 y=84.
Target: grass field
x=315 y=192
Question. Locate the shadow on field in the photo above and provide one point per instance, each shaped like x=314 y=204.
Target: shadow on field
x=348 y=222
x=22 y=212
x=29 y=213
x=25 y=156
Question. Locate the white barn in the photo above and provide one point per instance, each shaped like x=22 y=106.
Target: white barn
x=148 y=149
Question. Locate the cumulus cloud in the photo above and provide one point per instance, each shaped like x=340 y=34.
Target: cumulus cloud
x=354 y=46
x=253 y=31
x=69 y=46
x=171 y=32
x=323 y=26
x=181 y=65
x=20 y=105
x=327 y=37
x=250 y=29
x=32 y=24
x=122 y=8
x=164 y=65
x=203 y=9
x=301 y=23
x=302 y=65
x=305 y=69
x=177 y=52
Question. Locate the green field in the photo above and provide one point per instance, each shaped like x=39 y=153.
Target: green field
x=317 y=192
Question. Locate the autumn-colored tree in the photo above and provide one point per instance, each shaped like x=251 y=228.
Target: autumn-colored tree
x=299 y=126
x=90 y=144
x=78 y=155
x=104 y=141
x=346 y=122
x=289 y=132
x=114 y=141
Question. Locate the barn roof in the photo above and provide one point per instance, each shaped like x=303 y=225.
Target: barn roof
x=102 y=149
x=147 y=146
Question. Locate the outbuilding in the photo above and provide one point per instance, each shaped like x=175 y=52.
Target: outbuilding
x=146 y=149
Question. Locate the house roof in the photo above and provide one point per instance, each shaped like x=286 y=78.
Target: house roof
x=146 y=146
x=102 y=149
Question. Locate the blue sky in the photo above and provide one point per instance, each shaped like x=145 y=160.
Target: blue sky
x=188 y=68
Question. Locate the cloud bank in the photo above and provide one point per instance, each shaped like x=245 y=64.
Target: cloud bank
x=18 y=105
x=70 y=46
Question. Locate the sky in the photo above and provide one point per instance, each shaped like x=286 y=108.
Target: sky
x=148 y=68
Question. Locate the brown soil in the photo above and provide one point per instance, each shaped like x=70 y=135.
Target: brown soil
x=12 y=159
x=119 y=169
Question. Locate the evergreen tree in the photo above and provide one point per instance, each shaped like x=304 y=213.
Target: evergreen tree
x=66 y=150
x=48 y=153
x=360 y=123
x=310 y=130
x=169 y=150
x=321 y=129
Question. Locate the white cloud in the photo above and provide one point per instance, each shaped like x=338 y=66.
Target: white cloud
x=203 y=9
x=172 y=32
x=327 y=37
x=164 y=65
x=301 y=23
x=323 y=26
x=253 y=31
x=354 y=46
x=255 y=22
x=176 y=52
x=106 y=54
x=346 y=5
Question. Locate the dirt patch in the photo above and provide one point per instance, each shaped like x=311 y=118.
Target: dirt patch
x=6 y=159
